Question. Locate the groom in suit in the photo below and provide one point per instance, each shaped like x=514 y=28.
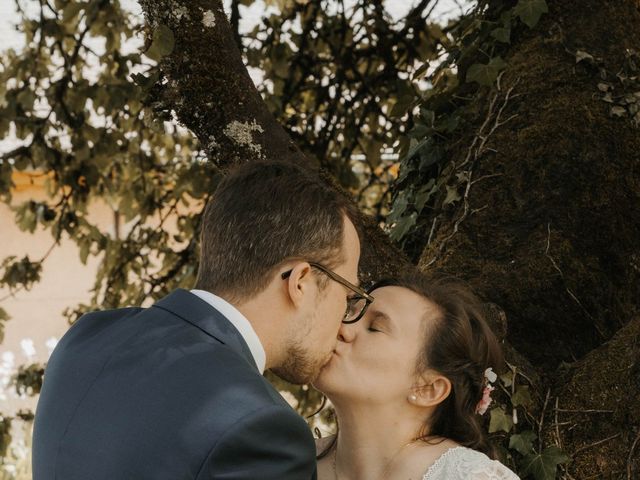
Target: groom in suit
x=176 y=391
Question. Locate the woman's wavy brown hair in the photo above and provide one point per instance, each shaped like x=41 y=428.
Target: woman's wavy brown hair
x=460 y=345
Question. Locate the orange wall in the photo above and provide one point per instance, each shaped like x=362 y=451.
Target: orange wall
x=37 y=314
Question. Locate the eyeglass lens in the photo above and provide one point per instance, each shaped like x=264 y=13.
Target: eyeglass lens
x=355 y=306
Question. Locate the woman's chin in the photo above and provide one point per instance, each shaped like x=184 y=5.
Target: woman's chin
x=326 y=377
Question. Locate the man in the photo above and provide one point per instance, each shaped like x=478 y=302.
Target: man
x=176 y=391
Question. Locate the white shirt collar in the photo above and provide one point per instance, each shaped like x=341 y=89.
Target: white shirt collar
x=241 y=323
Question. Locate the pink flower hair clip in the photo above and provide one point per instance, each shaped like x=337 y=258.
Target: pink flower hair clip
x=489 y=378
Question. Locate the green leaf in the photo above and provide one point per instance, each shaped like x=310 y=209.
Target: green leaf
x=400 y=229
x=522 y=397
x=26 y=218
x=71 y=11
x=618 y=111
x=522 y=442
x=162 y=44
x=281 y=60
x=485 y=74
x=415 y=148
x=452 y=195
x=507 y=378
x=399 y=206
x=26 y=98
x=402 y=105
x=423 y=195
x=502 y=34
x=85 y=248
x=543 y=466
x=429 y=157
x=373 y=151
x=530 y=11
x=427 y=116
x=421 y=71
x=449 y=124
x=500 y=421
x=146 y=82
x=419 y=131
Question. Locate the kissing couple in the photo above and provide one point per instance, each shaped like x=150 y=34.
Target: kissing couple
x=176 y=391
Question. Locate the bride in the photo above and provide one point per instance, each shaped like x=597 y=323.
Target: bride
x=408 y=383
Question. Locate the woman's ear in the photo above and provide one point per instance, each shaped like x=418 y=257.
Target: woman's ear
x=431 y=389
x=297 y=282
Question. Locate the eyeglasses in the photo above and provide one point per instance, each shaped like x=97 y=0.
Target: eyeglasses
x=356 y=305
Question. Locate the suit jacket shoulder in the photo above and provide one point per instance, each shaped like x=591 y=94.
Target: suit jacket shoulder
x=155 y=394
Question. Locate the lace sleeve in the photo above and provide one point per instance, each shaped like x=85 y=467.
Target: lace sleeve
x=462 y=463
x=492 y=471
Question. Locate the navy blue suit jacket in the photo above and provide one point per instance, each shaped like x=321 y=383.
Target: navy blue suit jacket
x=169 y=392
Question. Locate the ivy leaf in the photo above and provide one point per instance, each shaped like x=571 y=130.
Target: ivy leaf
x=522 y=397
x=419 y=131
x=582 y=56
x=162 y=44
x=507 y=379
x=452 y=195
x=530 y=11
x=502 y=34
x=424 y=194
x=542 y=466
x=618 y=111
x=402 y=226
x=485 y=74
x=428 y=116
x=399 y=206
x=500 y=421
x=522 y=442
x=430 y=156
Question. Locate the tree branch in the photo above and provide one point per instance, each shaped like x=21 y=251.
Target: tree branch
x=214 y=96
x=210 y=88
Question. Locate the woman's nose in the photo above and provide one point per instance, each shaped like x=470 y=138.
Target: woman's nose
x=347 y=333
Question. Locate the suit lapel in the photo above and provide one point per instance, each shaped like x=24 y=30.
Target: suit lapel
x=199 y=313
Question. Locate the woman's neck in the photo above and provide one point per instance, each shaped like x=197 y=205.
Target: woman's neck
x=371 y=439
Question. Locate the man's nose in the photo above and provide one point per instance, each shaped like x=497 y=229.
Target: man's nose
x=347 y=332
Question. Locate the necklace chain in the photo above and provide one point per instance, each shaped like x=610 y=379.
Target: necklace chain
x=387 y=465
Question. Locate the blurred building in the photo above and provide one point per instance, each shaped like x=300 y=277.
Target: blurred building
x=36 y=315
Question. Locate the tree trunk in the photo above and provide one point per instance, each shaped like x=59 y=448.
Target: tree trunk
x=552 y=229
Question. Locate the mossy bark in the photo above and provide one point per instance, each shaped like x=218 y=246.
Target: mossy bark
x=554 y=237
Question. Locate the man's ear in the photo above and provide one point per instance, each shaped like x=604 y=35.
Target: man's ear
x=298 y=282
x=430 y=390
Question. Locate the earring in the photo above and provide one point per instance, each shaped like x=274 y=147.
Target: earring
x=412 y=398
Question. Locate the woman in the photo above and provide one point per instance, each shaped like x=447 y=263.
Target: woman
x=408 y=382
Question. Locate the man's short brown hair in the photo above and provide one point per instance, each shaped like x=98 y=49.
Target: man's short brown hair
x=263 y=214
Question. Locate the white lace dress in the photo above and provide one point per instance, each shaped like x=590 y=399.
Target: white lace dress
x=461 y=463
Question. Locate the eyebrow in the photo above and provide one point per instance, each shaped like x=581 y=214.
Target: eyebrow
x=379 y=315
